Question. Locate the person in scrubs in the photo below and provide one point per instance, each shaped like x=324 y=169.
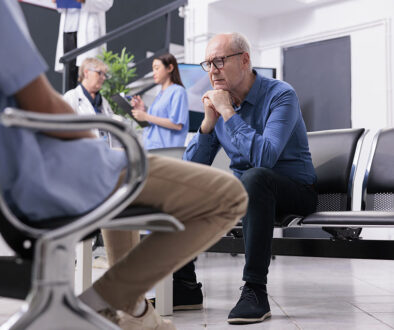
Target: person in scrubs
x=169 y=113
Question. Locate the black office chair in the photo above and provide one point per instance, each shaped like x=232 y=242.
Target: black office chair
x=44 y=263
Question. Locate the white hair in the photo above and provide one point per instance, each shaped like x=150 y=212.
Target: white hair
x=239 y=43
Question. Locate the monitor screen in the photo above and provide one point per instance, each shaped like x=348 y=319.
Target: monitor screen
x=196 y=82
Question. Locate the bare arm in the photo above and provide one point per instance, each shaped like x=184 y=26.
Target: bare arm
x=164 y=122
x=39 y=96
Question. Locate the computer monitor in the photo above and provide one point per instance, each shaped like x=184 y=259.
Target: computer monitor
x=196 y=82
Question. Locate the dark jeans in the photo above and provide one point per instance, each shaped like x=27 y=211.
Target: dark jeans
x=70 y=43
x=186 y=273
x=270 y=196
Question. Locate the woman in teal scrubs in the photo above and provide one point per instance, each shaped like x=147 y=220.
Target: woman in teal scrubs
x=169 y=113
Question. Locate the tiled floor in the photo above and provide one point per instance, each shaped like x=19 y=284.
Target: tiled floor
x=305 y=293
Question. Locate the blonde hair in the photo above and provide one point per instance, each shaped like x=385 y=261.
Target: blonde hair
x=91 y=63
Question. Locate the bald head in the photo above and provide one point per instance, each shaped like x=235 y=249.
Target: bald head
x=229 y=42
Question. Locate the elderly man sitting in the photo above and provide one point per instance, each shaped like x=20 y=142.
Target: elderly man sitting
x=258 y=123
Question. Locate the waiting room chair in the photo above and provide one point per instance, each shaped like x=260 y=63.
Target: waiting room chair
x=335 y=155
x=44 y=263
x=174 y=152
x=378 y=191
x=377 y=212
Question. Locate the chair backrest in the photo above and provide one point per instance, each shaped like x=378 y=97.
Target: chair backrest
x=378 y=186
x=334 y=155
x=175 y=152
x=23 y=242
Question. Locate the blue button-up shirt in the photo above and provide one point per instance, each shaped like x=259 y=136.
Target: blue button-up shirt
x=266 y=131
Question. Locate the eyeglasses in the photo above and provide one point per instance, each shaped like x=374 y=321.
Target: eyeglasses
x=101 y=73
x=218 y=62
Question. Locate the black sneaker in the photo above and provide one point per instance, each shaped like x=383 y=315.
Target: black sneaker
x=252 y=306
x=186 y=296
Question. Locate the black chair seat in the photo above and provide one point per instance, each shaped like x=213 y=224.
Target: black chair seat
x=350 y=218
x=16 y=241
x=133 y=211
x=15 y=277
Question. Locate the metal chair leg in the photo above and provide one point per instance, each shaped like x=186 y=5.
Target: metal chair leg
x=51 y=308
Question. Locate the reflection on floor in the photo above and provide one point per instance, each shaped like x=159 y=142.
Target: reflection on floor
x=305 y=293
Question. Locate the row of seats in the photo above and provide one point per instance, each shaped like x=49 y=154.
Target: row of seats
x=377 y=191
x=335 y=155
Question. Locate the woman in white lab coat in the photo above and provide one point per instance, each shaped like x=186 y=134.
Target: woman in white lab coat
x=86 y=99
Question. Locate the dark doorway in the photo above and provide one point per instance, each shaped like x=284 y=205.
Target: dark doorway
x=320 y=72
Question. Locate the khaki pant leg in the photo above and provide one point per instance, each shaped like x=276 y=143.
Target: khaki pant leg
x=117 y=243
x=206 y=200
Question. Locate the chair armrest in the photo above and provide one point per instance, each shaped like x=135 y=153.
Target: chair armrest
x=121 y=198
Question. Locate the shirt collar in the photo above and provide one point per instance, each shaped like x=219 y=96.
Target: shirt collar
x=96 y=102
x=251 y=97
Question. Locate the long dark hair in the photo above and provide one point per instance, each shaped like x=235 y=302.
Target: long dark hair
x=167 y=60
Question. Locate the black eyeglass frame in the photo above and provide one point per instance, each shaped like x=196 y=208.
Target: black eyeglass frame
x=221 y=58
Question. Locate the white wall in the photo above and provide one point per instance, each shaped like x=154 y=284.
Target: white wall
x=369 y=25
x=367 y=22
x=206 y=18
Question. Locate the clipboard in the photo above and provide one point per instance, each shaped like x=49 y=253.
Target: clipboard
x=68 y=4
x=126 y=107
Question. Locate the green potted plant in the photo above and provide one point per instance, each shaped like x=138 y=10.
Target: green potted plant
x=120 y=73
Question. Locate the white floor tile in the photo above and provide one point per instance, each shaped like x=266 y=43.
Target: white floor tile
x=305 y=293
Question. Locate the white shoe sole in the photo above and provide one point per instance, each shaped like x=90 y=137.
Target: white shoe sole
x=241 y=320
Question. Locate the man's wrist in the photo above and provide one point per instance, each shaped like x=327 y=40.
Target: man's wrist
x=227 y=113
x=205 y=129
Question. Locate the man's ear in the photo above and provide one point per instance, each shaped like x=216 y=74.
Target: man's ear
x=245 y=59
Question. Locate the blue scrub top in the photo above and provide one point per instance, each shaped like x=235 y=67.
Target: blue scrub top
x=43 y=177
x=172 y=104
